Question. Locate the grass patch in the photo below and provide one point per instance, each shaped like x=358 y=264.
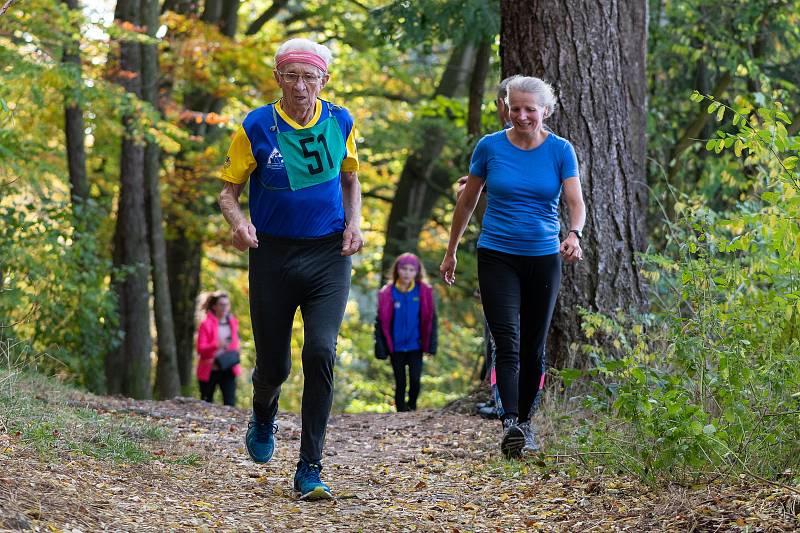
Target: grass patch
x=40 y=413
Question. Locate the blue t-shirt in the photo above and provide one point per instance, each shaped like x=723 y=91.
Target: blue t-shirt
x=275 y=209
x=405 y=319
x=523 y=188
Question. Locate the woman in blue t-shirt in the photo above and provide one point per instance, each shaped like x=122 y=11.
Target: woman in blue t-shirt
x=525 y=169
x=405 y=326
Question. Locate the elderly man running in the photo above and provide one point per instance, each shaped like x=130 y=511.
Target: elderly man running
x=299 y=154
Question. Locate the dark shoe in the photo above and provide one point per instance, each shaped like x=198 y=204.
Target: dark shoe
x=481 y=405
x=260 y=440
x=488 y=412
x=513 y=438
x=307 y=483
x=530 y=438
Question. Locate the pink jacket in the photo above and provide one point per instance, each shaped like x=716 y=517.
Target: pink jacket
x=208 y=344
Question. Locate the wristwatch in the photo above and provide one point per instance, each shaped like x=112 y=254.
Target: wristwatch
x=577 y=233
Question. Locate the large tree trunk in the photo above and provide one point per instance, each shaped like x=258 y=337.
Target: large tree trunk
x=73 y=120
x=594 y=56
x=185 y=247
x=423 y=181
x=168 y=383
x=128 y=371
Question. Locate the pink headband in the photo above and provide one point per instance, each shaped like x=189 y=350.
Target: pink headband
x=408 y=259
x=301 y=56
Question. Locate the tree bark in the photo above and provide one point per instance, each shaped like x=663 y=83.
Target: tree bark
x=594 y=56
x=422 y=181
x=168 y=383
x=477 y=85
x=184 y=256
x=128 y=370
x=185 y=246
x=73 y=120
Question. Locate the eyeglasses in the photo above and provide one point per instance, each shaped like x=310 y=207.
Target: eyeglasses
x=294 y=77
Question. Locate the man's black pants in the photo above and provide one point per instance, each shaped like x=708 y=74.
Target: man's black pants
x=286 y=274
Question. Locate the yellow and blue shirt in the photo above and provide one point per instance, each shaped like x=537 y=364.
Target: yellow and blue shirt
x=276 y=209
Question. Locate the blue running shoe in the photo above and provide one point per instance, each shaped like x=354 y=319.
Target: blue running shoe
x=260 y=440
x=308 y=485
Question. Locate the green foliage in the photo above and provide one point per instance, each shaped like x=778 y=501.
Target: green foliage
x=711 y=383
x=54 y=290
x=429 y=22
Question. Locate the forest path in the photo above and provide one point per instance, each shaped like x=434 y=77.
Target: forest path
x=421 y=471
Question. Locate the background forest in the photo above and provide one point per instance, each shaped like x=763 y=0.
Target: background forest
x=675 y=344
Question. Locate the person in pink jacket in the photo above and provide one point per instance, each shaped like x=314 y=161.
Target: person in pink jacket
x=218 y=348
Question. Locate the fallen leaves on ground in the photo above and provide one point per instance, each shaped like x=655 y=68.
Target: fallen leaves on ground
x=421 y=471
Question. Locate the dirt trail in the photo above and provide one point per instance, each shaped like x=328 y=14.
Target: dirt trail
x=423 y=471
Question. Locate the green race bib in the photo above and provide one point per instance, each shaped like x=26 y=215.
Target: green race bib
x=312 y=155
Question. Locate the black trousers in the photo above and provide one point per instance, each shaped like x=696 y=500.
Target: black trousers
x=519 y=294
x=401 y=360
x=227 y=384
x=286 y=274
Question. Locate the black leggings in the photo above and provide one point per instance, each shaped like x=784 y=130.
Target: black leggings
x=286 y=274
x=400 y=360
x=227 y=384
x=518 y=294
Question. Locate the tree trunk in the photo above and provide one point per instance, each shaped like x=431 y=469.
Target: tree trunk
x=184 y=256
x=477 y=85
x=595 y=59
x=422 y=181
x=128 y=371
x=185 y=246
x=167 y=380
x=73 y=120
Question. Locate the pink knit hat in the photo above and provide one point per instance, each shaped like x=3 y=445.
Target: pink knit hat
x=408 y=259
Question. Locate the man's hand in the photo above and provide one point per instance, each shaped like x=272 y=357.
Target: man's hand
x=244 y=236
x=352 y=241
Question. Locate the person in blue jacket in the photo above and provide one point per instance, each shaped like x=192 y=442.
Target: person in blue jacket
x=405 y=327
x=525 y=169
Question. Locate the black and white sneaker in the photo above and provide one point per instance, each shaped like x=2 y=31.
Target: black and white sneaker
x=530 y=438
x=513 y=439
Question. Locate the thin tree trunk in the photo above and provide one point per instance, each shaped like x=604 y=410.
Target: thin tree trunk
x=73 y=120
x=477 y=85
x=595 y=59
x=266 y=16
x=128 y=371
x=167 y=380
x=185 y=247
x=422 y=181
x=184 y=256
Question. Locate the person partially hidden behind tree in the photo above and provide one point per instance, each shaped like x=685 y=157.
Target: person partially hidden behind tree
x=218 y=348
x=299 y=154
x=525 y=169
x=405 y=326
